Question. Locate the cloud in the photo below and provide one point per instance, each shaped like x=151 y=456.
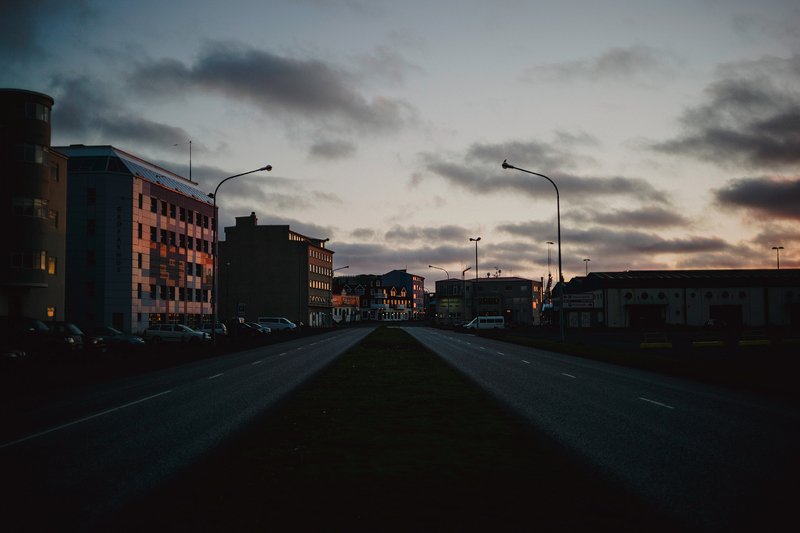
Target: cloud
x=84 y=110
x=24 y=23
x=751 y=118
x=435 y=234
x=298 y=87
x=332 y=150
x=385 y=64
x=651 y=216
x=774 y=197
x=613 y=64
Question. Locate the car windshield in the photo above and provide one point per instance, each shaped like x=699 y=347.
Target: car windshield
x=73 y=329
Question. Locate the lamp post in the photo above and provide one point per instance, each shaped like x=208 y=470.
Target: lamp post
x=778 y=255
x=586 y=264
x=506 y=165
x=464 y=294
x=216 y=250
x=340 y=268
x=448 y=285
x=475 y=240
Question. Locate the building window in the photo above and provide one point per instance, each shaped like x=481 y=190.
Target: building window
x=164 y=208
x=190 y=216
x=190 y=243
x=182 y=240
x=30 y=207
x=91 y=196
x=171 y=294
x=172 y=238
x=139 y=291
x=182 y=293
x=153 y=205
x=51 y=265
x=164 y=236
x=172 y=209
x=163 y=292
x=182 y=214
x=153 y=233
x=54 y=168
x=31 y=153
x=139 y=260
x=37 y=111
x=152 y=292
x=33 y=259
x=198 y=295
x=198 y=270
x=139 y=230
x=141 y=201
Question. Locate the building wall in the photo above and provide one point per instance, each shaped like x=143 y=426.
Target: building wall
x=273 y=271
x=33 y=206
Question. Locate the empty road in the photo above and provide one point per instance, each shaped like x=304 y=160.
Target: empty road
x=712 y=458
x=71 y=463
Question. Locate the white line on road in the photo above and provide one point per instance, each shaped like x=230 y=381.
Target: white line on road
x=657 y=403
x=254 y=363
x=216 y=375
x=84 y=419
x=526 y=361
x=281 y=354
x=568 y=375
x=500 y=353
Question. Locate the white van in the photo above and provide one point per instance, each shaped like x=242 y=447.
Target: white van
x=486 y=322
x=276 y=323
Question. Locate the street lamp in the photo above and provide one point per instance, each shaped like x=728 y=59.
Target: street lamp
x=464 y=294
x=448 y=285
x=475 y=240
x=778 y=255
x=586 y=264
x=558 y=218
x=216 y=250
x=341 y=268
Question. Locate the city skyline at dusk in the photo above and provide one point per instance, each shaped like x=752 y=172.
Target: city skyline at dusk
x=671 y=131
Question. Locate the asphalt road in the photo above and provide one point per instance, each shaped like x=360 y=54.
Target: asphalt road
x=712 y=458
x=69 y=463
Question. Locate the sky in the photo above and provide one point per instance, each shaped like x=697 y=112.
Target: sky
x=671 y=129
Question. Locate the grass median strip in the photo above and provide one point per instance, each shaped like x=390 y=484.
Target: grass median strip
x=389 y=437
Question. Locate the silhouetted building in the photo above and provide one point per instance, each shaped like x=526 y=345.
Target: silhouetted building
x=657 y=298
x=414 y=286
x=139 y=242
x=273 y=271
x=33 y=209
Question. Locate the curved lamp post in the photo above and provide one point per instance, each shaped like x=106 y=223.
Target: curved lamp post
x=778 y=255
x=216 y=250
x=586 y=265
x=448 y=285
x=558 y=215
x=475 y=240
x=340 y=268
x=464 y=294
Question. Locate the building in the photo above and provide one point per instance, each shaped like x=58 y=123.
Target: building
x=33 y=209
x=140 y=240
x=517 y=299
x=271 y=270
x=414 y=286
x=659 y=298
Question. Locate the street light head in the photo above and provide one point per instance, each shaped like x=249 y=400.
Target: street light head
x=267 y=168
x=506 y=165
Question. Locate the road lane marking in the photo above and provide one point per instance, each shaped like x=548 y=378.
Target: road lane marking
x=526 y=361
x=254 y=363
x=215 y=376
x=657 y=403
x=500 y=353
x=568 y=375
x=84 y=419
x=281 y=354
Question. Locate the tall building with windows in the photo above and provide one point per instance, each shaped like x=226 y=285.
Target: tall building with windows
x=271 y=270
x=33 y=200
x=140 y=242
x=415 y=288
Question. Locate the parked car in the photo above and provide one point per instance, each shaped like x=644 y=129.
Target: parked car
x=88 y=344
x=277 y=323
x=221 y=328
x=115 y=339
x=174 y=333
x=260 y=327
x=35 y=337
x=486 y=322
x=243 y=329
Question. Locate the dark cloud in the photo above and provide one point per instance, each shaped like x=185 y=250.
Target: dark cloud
x=751 y=118
x=83 y=112
x=332 y=149
x=435 y=234
x=25 y=24
x=614 y=64
x=652 y=216
x=307 y=87
x=576 y=188
x=778 y=198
